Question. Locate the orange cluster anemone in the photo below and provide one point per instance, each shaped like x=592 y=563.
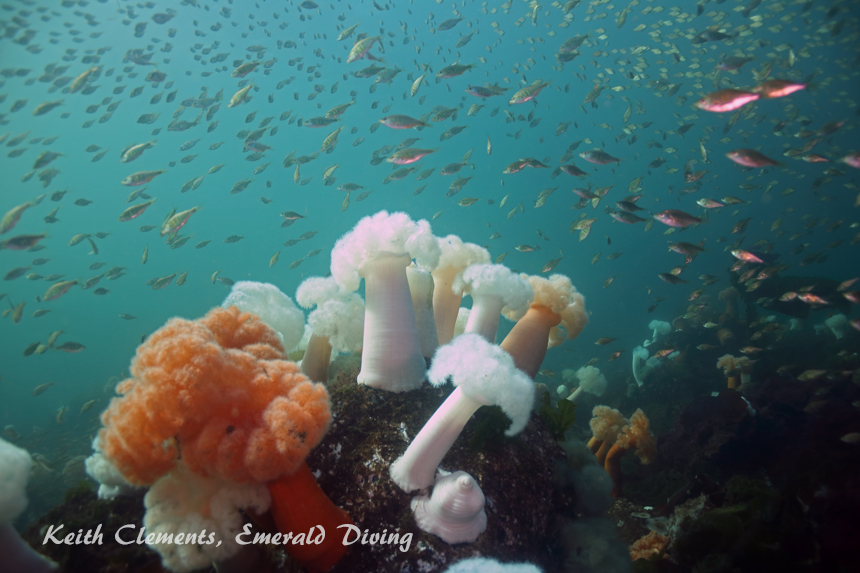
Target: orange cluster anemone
x=636 y=436
x=219 y=393
x=605 y=424
x=648 y=546
x=734 y=368
x=614 y=435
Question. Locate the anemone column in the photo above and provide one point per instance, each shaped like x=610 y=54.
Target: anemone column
x=484 y=316
x=421 y=289
x=391 y=358
x=528 y=340
x=446 y=303
x=316 y=359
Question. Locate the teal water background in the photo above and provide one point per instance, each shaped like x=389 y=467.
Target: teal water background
x=524 y=53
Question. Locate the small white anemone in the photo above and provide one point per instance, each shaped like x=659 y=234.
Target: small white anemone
x=111 y=482
x=591 y=381
x=659 y=328
x=494 y=289
x=487 y=565
x=336 y=324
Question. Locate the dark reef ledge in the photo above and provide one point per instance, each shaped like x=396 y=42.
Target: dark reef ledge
x=515 y=474
x=524 y=511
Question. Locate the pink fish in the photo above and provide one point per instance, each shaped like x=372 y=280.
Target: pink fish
x=726 y=100
x=777 y=88
x=675 y=218
x=746 y=256
x=408 y=155
x=852 y=159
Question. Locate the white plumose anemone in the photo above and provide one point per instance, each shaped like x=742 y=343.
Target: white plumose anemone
x=485 y=375
x=591 y=381
x=379 y=249
x=493 y=288
x=184 y=503
x=273 y=307
x=336 y=324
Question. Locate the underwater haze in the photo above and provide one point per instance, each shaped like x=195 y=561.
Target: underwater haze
x=591 y=139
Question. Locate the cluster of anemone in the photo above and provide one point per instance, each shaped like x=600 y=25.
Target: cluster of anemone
x=214 y=419
x=614 y=435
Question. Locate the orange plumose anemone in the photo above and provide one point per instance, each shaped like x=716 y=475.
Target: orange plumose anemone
x=636 y=435
x=605 y=423
x=556 y=304
x=219 y=391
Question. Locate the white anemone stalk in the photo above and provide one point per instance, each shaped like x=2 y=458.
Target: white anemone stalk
x=378 y=250
x=391 y=357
